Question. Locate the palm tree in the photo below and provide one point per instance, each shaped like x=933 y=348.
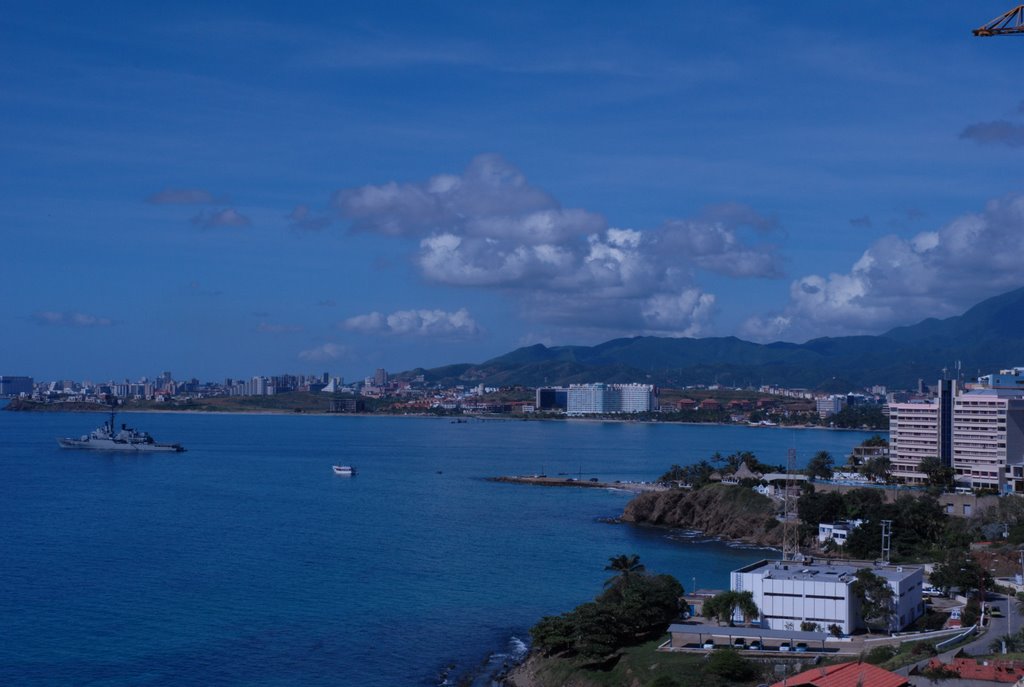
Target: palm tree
x=1012 y=643
x=748 y=607
x=625 y=566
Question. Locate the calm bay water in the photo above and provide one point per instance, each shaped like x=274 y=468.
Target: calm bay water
x=246 y=561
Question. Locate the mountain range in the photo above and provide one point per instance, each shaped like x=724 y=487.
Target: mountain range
x=986 y=338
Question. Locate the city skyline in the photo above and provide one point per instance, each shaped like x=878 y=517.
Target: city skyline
x=299 y=189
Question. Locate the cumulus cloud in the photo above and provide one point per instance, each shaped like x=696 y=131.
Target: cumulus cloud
x=428 y=323
x=900 y=280
x=490 y=228
x=213 y=219
x=303 y=219
x=70 y=319
x=999 y=132
x=181 y=196
x=327 y=351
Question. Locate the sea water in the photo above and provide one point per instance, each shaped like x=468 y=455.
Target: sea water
x=246 y=561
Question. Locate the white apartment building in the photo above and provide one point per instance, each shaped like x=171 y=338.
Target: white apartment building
x=838 y=532
x=585 y=399
x=829 y=405
x=789 y=593
x=988 y=439
x=913 y=435
x=636 y=398
x=597 y=399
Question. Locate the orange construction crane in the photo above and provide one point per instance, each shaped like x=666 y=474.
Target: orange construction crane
x=1004 y=25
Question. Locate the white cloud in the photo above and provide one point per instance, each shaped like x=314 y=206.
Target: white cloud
x=489 y=228
x=228 y=217
x=327 y=351
x=900 y=280
x=70 y=319
x=303 y=219
x=428 y=323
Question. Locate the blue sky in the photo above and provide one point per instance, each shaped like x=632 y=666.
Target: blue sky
x=262 y=188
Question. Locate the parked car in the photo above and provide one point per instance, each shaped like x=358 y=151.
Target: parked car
x=739 y=643
x=801 y=647
x=784 y=646
x=755 y=646
x=708 y=644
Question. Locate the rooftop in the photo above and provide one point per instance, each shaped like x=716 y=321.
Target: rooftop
x=845 y=675
x=827 y=570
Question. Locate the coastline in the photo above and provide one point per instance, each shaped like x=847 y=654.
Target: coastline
x=481 y=418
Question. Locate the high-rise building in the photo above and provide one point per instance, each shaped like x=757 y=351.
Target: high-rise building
x=913 y=436
x=980 y=433
x=988 y=439
x=13 y=386
x=380 y=377
x=598 y=399
x=552 y=398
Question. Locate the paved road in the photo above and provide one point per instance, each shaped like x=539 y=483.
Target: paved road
x=1012 y=621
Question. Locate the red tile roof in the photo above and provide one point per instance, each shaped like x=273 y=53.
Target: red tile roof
x=845 y=675
x=993 y=670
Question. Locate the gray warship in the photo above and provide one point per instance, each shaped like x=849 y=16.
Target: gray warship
x=106 y=438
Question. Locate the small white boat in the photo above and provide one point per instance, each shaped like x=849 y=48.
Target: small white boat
x=347 y=470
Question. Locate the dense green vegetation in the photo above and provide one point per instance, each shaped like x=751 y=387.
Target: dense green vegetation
x=920 y=526
x=612 y=640
x=988 y=334
x=634 y=607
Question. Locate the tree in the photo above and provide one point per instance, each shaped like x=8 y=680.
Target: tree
x=938 y=475
x=729 y=664
x=820 y=465
x=877 y=602
x=878 y=468
x=724 y=605
x=625 y=566
x=959 y=570
x=633 y=609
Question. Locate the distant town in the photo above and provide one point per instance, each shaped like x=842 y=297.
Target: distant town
x=974 y=431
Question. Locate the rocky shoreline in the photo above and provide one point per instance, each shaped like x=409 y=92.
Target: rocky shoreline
x=719 y=510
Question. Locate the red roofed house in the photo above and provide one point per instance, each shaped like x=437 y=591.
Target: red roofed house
x=845 y=675
x=993 y=670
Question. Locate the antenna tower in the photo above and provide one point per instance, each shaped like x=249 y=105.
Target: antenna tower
x=789 y=544
x=1006 y=24
x=886 y=540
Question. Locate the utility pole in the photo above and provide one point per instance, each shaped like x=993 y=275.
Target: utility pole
x=789 y=545
x=886 y=540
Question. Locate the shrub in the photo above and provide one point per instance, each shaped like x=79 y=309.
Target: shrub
x=727 y=663
x=880 y=654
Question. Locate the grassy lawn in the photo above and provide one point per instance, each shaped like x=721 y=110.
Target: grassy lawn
x=640 y=665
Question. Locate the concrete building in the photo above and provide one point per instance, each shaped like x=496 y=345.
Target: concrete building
x=789 y=593
x=829 y=405
x=837 y=532
x=552 y=398
x=13 y=386
x=913 y=435
x=599 y=399
x=636 y=398
x=988 y=439
x=1012 y=378
x=586 y=399
x=922 y=429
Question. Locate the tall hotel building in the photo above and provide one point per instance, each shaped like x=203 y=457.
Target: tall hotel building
x=979 y=433
x=600 y=399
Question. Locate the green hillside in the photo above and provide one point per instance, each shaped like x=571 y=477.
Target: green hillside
x=986 y=338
